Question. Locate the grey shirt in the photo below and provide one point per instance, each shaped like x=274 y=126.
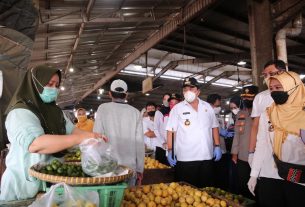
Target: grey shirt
x=241 y=139
x=122 y=124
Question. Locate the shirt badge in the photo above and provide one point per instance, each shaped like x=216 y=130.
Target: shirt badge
x=187 y=122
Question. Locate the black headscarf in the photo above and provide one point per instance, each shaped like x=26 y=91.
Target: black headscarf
x=27 y=97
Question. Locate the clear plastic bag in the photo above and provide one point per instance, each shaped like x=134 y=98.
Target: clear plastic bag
x=70 y=197
x=96 y=158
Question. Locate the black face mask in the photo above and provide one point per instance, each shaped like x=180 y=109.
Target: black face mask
x=248 y=103
x=151 y=113
x=279 y=97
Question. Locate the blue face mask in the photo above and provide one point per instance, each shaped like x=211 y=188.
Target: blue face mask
x=49 y=94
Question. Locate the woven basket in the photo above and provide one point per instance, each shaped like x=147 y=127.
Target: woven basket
x=78 y=180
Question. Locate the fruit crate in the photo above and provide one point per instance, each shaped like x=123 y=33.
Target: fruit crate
x=232 y=199
x=155 y=176
x=109 y=195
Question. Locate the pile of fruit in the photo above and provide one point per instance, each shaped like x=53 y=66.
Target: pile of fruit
x=78 y=203
x=73 y=156
x=238 y=199
x=174 y=194
x=150 y=163
x=61 y=169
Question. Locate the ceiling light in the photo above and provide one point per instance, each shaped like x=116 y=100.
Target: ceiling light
x=71 y=70
x=236 y=89
x=74 y=110
x=227 y=102
x=91 y=109
x=98 y=98
x=222 y=111
x=241 y=62
x=101 y=91
x=302 y=76
x=222 y=84
x=138 y=67
x=126 y=101
x=62 y=88
x=147 y=94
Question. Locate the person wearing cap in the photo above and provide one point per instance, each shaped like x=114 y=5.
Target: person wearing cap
x=241 y=139
x=159 y=129
x=172 y=101
x=279 y=158
x=262 y=101
x=195 y=126
x=83 y=122
x=122 y=124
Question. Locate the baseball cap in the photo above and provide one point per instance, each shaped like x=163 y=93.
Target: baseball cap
x=174 y=96
x=249 y=91
x=190 y=82
x=118 y=86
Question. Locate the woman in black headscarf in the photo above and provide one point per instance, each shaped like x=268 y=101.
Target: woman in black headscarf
x=37 y=129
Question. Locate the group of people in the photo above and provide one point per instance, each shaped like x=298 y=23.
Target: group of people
x=264 y=137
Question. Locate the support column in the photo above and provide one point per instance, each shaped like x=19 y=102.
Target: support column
x=260 y=30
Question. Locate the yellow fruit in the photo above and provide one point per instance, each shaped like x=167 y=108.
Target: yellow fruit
x=163 y=201
x=204 y=198
x=54 y=205
x=158 y=199
x=164 y=193
x=146 y=189
x=223 y=204
x=183 y=205
x=201 y=205
x=89 y=204
x=189 y=199
x=151 y=204
x=175 y=196
x=158 y=192
x=142 y=204
x=182 y=200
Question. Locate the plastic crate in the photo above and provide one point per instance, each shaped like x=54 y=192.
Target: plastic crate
x=110 y=195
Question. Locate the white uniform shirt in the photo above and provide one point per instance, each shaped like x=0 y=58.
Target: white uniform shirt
x=160 y=126
x=194 y=142
x=151 y=143
x=260 y=103
x=263 y=165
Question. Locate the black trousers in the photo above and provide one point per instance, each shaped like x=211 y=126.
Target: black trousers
x=197 y=173
x=280 y=193
x=221 y=172
x=160 y=155
x=243 y=176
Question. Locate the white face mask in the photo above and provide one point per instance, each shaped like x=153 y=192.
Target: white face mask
x=217 y=110
x=189 y=96
x=165 y=103
x=235 y=111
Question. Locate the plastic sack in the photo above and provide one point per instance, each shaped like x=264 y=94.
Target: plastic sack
x=96 y=158
x=70 y=197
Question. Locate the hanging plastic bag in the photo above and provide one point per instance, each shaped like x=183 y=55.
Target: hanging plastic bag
x=70 y=197
x=96 y=158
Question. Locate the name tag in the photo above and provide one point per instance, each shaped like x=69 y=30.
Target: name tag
x=186 y=113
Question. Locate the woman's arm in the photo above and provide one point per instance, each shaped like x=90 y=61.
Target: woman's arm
x=49 y=144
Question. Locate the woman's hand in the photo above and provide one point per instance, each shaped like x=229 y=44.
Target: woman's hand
x=88 y=135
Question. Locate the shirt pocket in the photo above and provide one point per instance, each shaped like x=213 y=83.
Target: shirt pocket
x=186 y=120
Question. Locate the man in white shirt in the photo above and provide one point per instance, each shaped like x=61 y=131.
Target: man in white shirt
x=122 y=124
x=159 y=129
x=150 y=138
x=197 y=137
x=262 y=101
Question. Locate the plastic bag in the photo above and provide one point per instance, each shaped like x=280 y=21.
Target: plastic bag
x=69 y=198
x=96 y=158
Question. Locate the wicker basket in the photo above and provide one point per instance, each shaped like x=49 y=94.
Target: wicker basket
x=33 y=171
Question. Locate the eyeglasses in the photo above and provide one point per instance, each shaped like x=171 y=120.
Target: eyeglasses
x=267 y=75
